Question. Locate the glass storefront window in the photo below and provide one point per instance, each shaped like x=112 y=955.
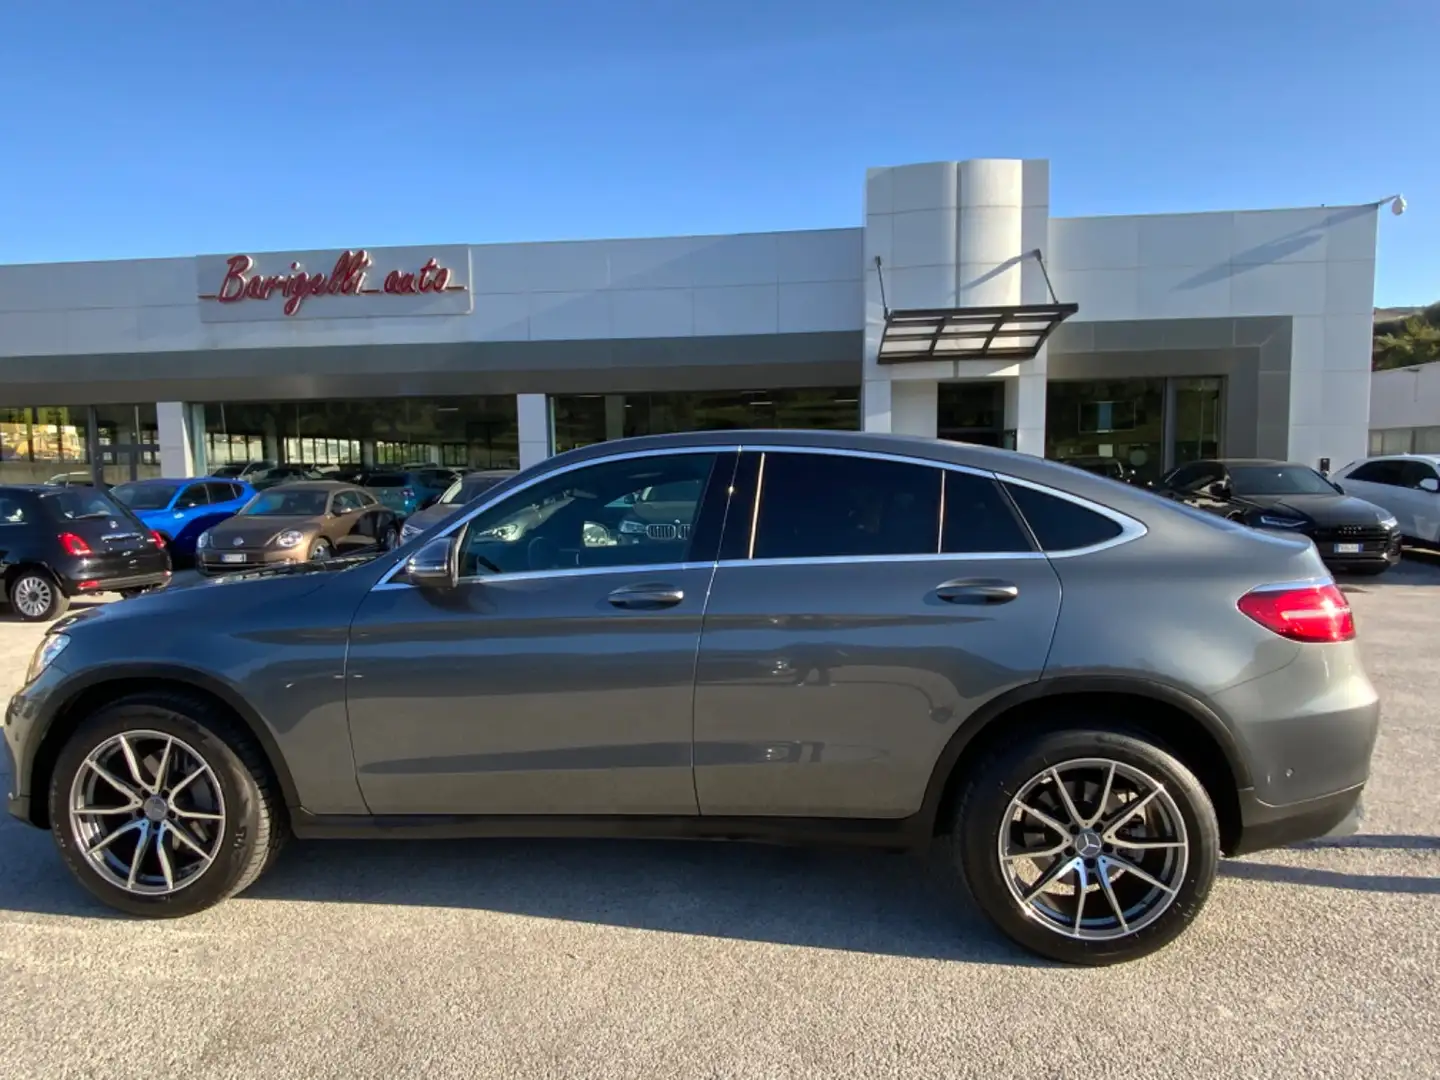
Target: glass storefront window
x=1199 y=408
x=972 y=412
x=1120 y=419
x=44 y=442
x=462 y=432
x=582 y=419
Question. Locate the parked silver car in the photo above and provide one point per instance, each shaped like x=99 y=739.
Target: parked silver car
x=1088 y=691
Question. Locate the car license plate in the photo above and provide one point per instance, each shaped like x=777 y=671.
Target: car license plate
x=232 y=557
x=1347 y=549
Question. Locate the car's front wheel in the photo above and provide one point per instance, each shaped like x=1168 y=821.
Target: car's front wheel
x=1086 y=846
x=35 y=596
x=162 y=806
x=320 y=550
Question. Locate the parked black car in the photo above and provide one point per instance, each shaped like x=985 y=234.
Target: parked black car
x=1114 y=468
x=57 y=543
x=1351 y=534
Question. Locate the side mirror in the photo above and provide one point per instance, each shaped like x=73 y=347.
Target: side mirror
x=435 y=565
x=1430 y=484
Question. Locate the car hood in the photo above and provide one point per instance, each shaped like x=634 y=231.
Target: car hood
x=254 y=532
x=1334 y=509
x=433 y=515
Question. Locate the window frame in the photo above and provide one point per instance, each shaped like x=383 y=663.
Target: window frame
x=1130 y=528
x=1394 y=464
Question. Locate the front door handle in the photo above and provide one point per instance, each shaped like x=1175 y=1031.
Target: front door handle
x=646 y=597
x=977 y=591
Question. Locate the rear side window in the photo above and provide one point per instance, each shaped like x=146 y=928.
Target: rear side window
x=14 y=510
x=1059 y=524
x=81 y=504
x=827 y=505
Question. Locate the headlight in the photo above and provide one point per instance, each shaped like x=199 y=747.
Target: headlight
x=1279 y=522
x=204 y=540
x=50 y=648
x=1390 y=522
x=503 y=533
x=289 y=538
x=631 y=527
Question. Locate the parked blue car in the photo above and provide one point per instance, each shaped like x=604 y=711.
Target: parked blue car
x=407 y=490
x=180 y=510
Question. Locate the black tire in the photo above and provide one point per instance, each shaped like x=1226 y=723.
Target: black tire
x=255 y=827
x=35 y=582
x=321 y=550
x=126 y=594
x=1368 y=570
x=390 y=538
x=981 y=810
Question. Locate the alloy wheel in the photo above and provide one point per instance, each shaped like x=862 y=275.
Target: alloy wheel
x=33 y=596
x=147 y=811
x=1094 y=849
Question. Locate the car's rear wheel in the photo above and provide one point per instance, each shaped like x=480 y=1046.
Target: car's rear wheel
x=162 y=806
x=1086 y=846
x=320 y=550
x=35 y=596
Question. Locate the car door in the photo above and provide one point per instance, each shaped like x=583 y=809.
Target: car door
x=1382 y=482
x=348 y=529
x=859 y=615
x=1423 y=504
x=557 y=677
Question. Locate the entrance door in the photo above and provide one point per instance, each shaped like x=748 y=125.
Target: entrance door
x=558 y=677
x=873 y=606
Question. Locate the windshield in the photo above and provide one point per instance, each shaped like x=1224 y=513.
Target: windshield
x=287 y=504
x=1278 y=480
x=475 y=486
x=385 y=480
x=81 y=504
x=145 y=496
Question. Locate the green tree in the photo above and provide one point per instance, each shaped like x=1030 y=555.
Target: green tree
x=1417 y=341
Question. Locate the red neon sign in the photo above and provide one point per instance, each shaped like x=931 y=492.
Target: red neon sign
x=348 y=278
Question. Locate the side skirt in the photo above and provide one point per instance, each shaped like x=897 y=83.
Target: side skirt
x=899 y=834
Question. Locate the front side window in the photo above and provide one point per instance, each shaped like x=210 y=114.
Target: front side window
x=1412 y=472
x=192 y=496
x=836 y=505
x=590 y=517
x=345 y=501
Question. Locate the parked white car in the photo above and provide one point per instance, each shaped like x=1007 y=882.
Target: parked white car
x=1407 y=485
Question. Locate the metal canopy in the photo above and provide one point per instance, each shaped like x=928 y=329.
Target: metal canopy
x=1010 y=332
x=970 y=333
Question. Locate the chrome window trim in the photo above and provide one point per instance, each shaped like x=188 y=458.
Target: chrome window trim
x=1130 y=528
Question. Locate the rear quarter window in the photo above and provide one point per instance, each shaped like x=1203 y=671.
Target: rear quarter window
x=1059 y=524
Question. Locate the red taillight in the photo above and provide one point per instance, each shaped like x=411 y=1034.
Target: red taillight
x=73 y=544
x=88 y=584
x=157 y=538
x=1302 y=613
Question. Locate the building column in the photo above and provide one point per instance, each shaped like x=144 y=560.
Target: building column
x=1025 y=412
x=532 y=412
x=614 y=416
x=176 y=455
x=914 y=407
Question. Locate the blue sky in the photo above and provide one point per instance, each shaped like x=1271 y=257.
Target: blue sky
x=170 y=128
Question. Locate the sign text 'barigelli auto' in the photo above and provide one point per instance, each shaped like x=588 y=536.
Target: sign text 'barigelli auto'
x=347 y=278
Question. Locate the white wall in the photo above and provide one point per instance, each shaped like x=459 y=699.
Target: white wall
x=1405 y=398
x=756 y=283
x=1316 y=265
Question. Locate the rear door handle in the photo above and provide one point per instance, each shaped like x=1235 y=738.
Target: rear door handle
x=646 y=597
x=977 y=591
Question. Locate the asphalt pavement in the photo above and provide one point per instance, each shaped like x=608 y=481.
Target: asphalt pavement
x=649 y=960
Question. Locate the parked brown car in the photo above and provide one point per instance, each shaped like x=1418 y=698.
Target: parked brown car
x=310 y=519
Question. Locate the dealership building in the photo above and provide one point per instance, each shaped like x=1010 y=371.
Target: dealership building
x=957 y=306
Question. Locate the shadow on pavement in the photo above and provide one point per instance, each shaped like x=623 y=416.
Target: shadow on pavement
x=1299 y=875
x=859 y=902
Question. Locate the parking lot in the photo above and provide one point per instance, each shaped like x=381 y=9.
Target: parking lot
x=530 y=959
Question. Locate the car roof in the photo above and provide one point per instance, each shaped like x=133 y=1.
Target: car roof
x=39 y=489
x=1433 y=459
x=184 y=480
x=314 y=485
